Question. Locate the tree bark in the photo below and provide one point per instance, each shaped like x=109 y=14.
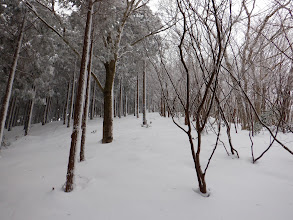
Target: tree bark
x=162 y=105
x=120 y=100
x=26 y=115
x=164 y=108
x=8 y=91
x=93 y=102
x=30 y=113
x=108 y=101
x=144 y=121
x=114 y=106
x=11 y=114
x=79 y=100
x=134 y=105
x=71 y=100
x=14 y=122
x=86 y=102
x=137 y=96
x=49 y=112
x=57 y=113
x=44 y=113
x=125 y=107
x=46 y=110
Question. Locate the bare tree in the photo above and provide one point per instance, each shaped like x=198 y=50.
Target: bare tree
x=191 y=90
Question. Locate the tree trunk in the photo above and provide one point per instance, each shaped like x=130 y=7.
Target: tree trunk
x=137 y=96
x=196 y=156
x=71 y=100
x=86 y=102
x=120 y=100
x=134 y=105
x=114 y=106
x=30 y=113
x=125 y=107
x=108 y=101
x=14 y=122
x=228 y=130
x=49 y=112
x=11 y=114
x=26 y=115
x=200 y=174
x=57 y=113
x=168 y=111
x=44 y=113
x=66 y=104
x=144 y=121
x=6 y=99
x=45 y=116
x=79 y=100
x=93 y=102
x=40 y=114
x=164 y=107
x=101 y=110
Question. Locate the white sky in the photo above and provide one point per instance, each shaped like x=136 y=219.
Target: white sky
x=153 y=4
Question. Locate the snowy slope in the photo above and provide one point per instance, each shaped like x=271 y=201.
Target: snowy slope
x=146 y=173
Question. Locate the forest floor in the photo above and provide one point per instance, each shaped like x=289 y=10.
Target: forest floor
x=145 y=174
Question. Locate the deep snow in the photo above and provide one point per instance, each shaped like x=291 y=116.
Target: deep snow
x=146 y=173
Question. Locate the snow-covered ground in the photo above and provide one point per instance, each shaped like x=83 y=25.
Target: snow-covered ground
x=145 y=174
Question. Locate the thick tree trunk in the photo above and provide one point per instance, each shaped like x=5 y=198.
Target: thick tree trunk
x=79 y=100
x=66 y=103
x=108 y=101
x=8 y=91
x=144 y=121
